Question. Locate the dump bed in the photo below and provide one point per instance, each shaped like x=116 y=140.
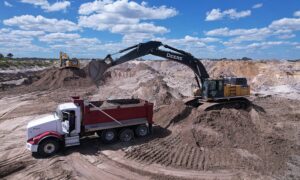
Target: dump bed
x=98 y=115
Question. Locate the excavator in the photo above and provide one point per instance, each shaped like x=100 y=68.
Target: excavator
x=66 y=62
x=211 y=93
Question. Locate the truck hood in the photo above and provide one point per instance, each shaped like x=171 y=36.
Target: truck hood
x=41 y=125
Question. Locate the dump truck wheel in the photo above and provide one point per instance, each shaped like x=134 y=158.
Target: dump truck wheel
x=126 y=135
x=48 y=147
x=108 y=136
x=141 y=130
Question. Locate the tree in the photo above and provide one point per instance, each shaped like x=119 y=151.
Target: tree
x=9 y=55
x=1 y=56
x=246 y=59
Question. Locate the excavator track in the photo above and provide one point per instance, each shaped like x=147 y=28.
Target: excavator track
x=232 y=103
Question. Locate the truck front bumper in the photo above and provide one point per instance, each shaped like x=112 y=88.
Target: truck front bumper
x=32 y=147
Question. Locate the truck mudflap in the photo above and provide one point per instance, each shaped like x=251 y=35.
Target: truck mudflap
x=32 y=144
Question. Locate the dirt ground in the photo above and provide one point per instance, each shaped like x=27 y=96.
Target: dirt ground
x=262 y=142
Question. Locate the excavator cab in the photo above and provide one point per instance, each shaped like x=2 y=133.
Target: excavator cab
x=213 y=89
x=221 y=88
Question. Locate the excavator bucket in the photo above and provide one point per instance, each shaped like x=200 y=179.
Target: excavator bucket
x=97 y=69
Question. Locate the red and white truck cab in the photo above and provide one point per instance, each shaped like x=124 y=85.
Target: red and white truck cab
x=111 y=120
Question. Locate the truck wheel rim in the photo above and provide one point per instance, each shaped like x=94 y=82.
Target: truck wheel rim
x=142 y=131
x=49 y=148
x=109 y=136
x=127 y=137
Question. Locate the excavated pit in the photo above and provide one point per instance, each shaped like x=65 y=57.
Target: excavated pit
x=261 y=142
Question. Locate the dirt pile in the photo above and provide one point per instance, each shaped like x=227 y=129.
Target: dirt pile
x=221 y=139
x=137 y=80
x=165 y=116
x=60 y=78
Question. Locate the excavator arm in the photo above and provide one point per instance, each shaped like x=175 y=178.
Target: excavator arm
x=97 y=68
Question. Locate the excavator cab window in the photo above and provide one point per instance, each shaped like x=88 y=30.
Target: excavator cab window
x=213 y=89
x=212 y=85
x=220 y=85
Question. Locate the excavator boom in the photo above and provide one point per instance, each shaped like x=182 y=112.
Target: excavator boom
x=97 y=68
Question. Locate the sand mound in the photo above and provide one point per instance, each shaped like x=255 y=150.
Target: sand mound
x=59 y=78
x=219 y=139
x=164 y=117
x=137 y=80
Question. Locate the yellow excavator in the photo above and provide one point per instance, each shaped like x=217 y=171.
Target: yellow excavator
x=66 y=62
x=212 y=93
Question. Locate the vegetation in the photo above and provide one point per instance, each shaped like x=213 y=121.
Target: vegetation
x=9 y=63
x=246 y=59
x=9 y=55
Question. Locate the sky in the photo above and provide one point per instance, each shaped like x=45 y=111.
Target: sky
x=259 y=29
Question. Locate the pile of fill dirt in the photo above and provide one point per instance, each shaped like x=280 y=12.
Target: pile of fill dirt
x=138 y=81
x=226 y=139
x=60 y=78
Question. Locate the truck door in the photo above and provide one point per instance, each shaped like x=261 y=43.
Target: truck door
x=65 y=122
x=68 y=121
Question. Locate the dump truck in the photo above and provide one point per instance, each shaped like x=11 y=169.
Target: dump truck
x=111 y=119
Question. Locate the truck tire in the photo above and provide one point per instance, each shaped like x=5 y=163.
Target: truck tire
x=108 y=136
x=141 y=130
x=126 y=135
x=48 y=147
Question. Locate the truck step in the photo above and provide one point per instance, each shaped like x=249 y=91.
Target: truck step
x=72 y=141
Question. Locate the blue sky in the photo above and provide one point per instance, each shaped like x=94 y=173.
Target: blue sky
x=207 y=28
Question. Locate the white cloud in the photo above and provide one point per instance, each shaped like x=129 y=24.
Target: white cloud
x=7 y=4
x=139 y=28
x=58 y=37
x=124 y=17
x=286 y=36
x=45 y=5
x=257 y=45
x=127 y=9
x=75 y=46
x=253 y=34
x=235 y=32
x=189 y=43
x=297 y=13
x=214 y=14
x=209 y=39
x=135 y=38
x=19 y=40
x=286 y=23
x=22 y=33
x=233 y=14
x=29 y=22
x=217 y=14
x=256 y=6
x=263 y=45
